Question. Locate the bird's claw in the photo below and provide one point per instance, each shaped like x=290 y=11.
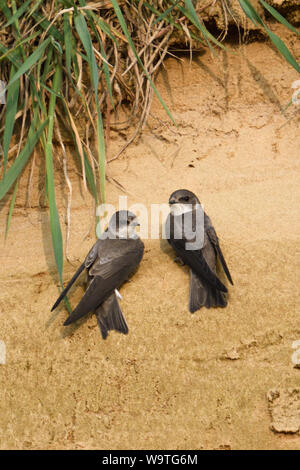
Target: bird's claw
x=179 y=261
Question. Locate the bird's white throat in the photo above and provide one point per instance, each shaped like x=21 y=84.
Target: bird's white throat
x=179 y=209
x=127 y=231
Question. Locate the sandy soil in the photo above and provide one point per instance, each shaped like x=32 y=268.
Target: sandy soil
x=218 y=379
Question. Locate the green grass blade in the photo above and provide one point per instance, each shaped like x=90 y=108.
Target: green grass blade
x=251 y=12
x=10 y=113
x=48 y=64
x=191 y=13
x=19 y=44
x=17 y=15
x=57 y=46
x=30 y=61
x=279 y=17
x=11 y=208
x=104 y=27
x=51 y=91
x=54 y=218
x=35 y=6
x=68 y=41
x=18 y=165
x=44 y=23
x=90 y=177
x=128 y=37
x=88 y=170
x=4 y=8
x=55 y=228
x=170 y=20
x=68 y=4
x=101 y=152
x=166 y=12
x=283 y=49
x=107 y=74
x=104 y=64
x=12 y=56
x=287 y=106
x=279 y=44
x=85 y=38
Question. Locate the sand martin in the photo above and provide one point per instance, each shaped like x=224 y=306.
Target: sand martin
x=110 y=262
x=190 y=232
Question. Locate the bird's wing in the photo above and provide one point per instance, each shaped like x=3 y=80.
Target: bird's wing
x=196 y=261
x=113 y=254
x=213 y=238
x=116 y=260
x=87 y=263
x=110 y=317
x=92 y=254
x=201 y=293
x=67 y=288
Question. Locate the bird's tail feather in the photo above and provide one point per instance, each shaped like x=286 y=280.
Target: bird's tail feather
x=110 y=317
x=203 y=294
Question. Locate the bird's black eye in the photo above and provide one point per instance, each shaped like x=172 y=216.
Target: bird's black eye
x=128 y=221
x=184 y=198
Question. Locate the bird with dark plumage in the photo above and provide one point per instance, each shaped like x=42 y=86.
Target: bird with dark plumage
x=110 y=262
x=188 y=225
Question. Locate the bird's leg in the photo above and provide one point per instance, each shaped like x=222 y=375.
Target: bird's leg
x=179 y=261
x=118 y=294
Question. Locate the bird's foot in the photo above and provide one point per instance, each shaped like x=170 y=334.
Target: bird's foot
x=179 y=261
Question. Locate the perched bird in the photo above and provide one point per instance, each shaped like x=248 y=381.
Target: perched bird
x=190 y=232
x=111 y=261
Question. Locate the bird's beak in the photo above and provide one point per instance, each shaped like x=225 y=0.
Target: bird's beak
x=135 y=223
x=172 y=201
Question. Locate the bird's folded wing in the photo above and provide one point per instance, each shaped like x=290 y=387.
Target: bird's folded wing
x=86 y=264
x=211 y=233
x=109 y=271
x=92 y=254
x=68 y=287
x=195 y=260
x=113 y=255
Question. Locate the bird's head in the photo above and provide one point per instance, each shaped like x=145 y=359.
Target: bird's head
x=123 y=224
x=182 y=201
